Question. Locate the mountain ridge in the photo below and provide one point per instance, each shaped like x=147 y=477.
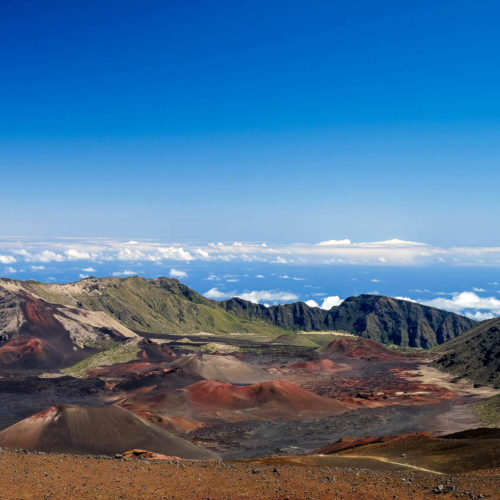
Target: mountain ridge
x=165 y=305
x=385 y=319
x=475 y=355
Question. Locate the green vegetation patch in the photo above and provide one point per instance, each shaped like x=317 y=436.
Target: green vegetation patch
x=489 y=411
x=295 y=339
x=114 y=353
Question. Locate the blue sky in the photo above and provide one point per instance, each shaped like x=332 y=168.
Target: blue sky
x=354 y=146
x=251 y=121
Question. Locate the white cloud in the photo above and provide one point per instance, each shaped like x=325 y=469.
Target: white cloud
x=375 y=280
x=466 y=303
x=405 y=298
x=7 y=259
x=280 y=260
x=43 y=256
x=269 y=296
x=481 y=316
x=336 y=252
x=88 y=270
x=74 y=254
x=232 y=280
x=475 y=289
x=10 y=270
x=83 y=276
x=124 y=273
x=465 y=300
x=335 y=242
x=329 y=302
x=260 y=276
x=216 y=294
x=37 y=268
x=311 y=303
x=202 y=253
x=175 y=253
x=177 y=273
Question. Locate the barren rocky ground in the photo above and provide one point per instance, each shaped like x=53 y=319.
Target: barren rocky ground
x=32 y=475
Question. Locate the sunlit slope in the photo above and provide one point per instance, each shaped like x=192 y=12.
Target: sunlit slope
x=161 y=305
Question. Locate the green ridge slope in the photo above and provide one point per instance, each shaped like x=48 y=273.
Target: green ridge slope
x=161 y=305
x=474 y=355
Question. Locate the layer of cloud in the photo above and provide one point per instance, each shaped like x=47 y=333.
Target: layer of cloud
x=468 y=303
x=268 y=296
x=331 y=252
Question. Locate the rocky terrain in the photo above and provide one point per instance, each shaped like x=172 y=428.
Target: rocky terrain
x=32 y=475
x=150 y=371
x=95 y=429
x=475 y=355
x=164 y=305
x=154 y=305
x=384 y=319
x=36 y=334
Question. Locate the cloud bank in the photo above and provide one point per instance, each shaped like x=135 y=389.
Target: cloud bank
x=395 y=252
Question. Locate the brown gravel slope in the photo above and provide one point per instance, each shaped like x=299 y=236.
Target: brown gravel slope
x=24 y=476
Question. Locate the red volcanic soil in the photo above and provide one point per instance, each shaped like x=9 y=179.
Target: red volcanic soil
x=153 y=351
x=149 y=455
x=96 y=430
x=40 y=340
x=176 y=425
x=209 y=399
x=30 y=476
x=38 y=314
x=267 y=398
x=360 y=348
x=321 y=365
x=19 y=349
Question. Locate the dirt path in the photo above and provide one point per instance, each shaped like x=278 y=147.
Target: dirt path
x=386 y=460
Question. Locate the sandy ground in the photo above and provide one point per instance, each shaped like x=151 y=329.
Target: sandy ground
x=428 y=375
x=459 y=414
x=26 y=476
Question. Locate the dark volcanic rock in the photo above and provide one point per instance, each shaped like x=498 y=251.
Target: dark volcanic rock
x=387 y=320
x=475 y=355
x=295 y=316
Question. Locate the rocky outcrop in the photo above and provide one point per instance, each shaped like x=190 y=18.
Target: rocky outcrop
x=384 y=319
x=161 y=305
x=293 y=316
x=37 y=334
x=474 y=355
